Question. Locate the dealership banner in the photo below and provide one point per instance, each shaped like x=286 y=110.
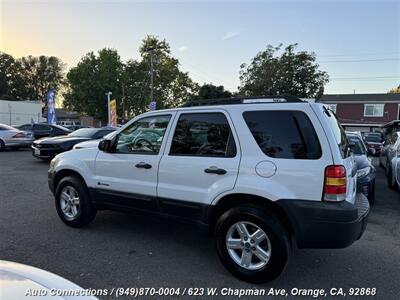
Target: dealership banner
x=51 y=107
x=113 y=113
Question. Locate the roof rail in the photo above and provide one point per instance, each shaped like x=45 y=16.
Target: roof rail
x=243 y=100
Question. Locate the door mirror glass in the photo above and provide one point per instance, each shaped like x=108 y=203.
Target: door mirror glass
x=105 y=145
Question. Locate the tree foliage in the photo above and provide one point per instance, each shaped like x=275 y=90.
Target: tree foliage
x=210 y=91
x=395 y=90
x=97 y=74
x=291 y=73
x=91 y=79
x=29 y=78
x=171 y=86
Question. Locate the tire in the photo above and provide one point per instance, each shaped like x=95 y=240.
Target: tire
x=277 y=243
x=389 y=177
x=85 y=211
x=2 y=146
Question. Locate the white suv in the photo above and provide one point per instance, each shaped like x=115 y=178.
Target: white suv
x=264 y=174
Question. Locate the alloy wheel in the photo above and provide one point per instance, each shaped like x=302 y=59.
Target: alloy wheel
x=248 y=245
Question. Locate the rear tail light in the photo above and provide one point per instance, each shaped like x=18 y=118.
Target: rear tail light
x=335 y=184
x=19 y=135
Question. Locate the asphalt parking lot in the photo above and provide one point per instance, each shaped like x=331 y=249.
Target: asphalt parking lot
x=122 y=250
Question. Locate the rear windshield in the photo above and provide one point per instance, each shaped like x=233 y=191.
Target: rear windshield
x=338 y=131
x=372 y=138
x=284 y=134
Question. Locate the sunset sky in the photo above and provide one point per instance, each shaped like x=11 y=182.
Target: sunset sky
x=356 y=42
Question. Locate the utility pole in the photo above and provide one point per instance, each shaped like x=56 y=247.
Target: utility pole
x=108 y=94
x=123 y=102
x=151 y=51
x=151 y=75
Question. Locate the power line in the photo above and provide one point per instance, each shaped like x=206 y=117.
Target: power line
x=360 y=60
x=366 y=78
x=360 y=54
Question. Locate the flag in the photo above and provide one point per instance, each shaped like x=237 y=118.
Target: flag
x=51 y=110
x=153 y=105
x=113 y=113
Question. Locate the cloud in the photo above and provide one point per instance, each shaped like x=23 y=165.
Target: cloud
x=231 y=34
x=183 y=48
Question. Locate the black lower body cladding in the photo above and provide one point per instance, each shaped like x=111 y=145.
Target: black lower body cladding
x=318 y=224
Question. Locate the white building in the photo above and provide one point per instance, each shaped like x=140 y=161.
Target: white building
x=20 y=112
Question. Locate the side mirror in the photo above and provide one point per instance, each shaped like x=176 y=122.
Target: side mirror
x=370 y=152
x=105 y=145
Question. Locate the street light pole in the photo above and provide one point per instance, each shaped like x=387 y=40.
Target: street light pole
x=108 y=94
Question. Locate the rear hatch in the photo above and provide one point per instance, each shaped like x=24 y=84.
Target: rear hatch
x=341 y=153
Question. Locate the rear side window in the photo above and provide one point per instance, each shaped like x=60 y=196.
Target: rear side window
x=284 y=134
x=338 y=131
x=203 y=134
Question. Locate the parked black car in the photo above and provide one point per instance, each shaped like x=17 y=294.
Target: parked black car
x=47 y=148
x=40 y=130
x=365 y=170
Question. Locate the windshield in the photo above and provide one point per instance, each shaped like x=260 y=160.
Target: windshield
x=357 y=145
x=372 y=138
x=84 y=132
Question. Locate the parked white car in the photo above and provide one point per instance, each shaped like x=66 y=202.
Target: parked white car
x=18 y=281
x=258 y=172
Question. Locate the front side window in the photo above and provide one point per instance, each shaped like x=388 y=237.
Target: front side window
x=203 y=134
x=373 y=110
x=144 y=136
x=284 y=134
x=332 y=107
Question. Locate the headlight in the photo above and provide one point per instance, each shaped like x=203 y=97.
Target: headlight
x=53 y=162
x=363 y=172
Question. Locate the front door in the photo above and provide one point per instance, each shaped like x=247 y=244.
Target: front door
x=127 y=176
x=201 y=161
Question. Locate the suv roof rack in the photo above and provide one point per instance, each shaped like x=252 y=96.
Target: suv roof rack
x=243 y=100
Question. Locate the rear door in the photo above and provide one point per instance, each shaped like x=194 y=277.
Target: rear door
x=287 y=147
x=41 y=130
x=201 y=160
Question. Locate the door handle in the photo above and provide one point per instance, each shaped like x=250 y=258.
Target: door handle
x=143 y=165
x=215 y=170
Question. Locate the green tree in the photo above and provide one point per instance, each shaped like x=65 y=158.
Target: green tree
x=210 y=91
x=395 y=90
x=91 y=79
x=39 y=74
x=171 y=86
x=12 y=83
x=292 y=73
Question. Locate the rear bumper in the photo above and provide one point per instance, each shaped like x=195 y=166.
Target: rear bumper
x=318 y=224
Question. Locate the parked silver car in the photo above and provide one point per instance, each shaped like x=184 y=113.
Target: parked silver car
x=11 y=137
x=393 y=171
x=391 y=143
